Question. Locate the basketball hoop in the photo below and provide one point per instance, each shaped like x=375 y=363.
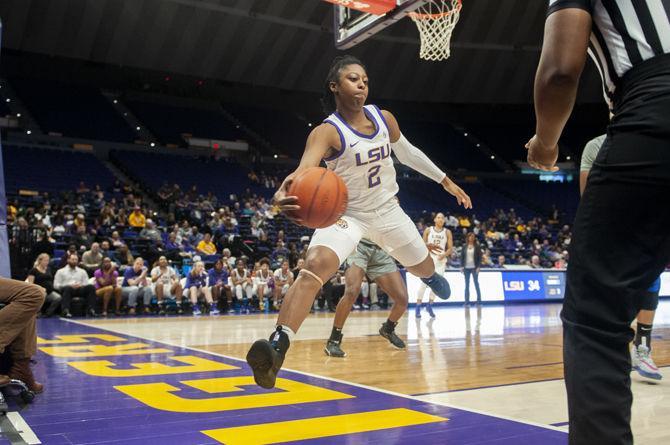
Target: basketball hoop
x=436 y=20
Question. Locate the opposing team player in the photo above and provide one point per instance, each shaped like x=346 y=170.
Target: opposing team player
x=369 y=259
x=440 y=242
x=356 y=141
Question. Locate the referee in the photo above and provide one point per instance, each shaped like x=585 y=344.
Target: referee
x=620 y=239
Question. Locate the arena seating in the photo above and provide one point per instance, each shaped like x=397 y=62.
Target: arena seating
x=446 y=146
x=221 y=177
x=541 y=196
x=73 y=111
x=60 y=170
x=169 y=122
x=286 y=130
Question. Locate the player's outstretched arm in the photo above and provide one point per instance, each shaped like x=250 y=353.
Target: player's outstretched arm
x=322 y=140
x=417 y=160
x=566 y=39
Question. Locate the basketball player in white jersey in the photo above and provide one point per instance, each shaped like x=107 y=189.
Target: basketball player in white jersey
x=356 y=142
x=263 y=283
x=439 y=241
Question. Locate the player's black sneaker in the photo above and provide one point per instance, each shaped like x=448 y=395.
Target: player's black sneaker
x=333 y=345
x=391 y=336
x=266 y=357
x=439 y=285
x=333 y=349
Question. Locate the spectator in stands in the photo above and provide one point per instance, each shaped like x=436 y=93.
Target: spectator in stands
x=82 y=239
x=78 y=222
x=206 y=246
x=283 y=278
x=280 y=253
x=58 y=225
x=243 y=284
x=299 y=265
x=44 y=244
x=281 y=236
x=218 y=282
x=151 y=232
x=105 y=248
x=116 y=239
x=464 y=221
x=293 y=254
x=248 y=210
x=62 y=262
x=196 y=286
x=42 y=276
x=255 y=230
x=71 y=282
x=501 y=262
x=263 y=244
x=92 y=259
x=535 y=262
x=471 y=260
x=123 y=258
x=166 y=285
x=137 y=220
x=136 y=285
x=106 y=285
x=562 y=262
x=228 y=259
x=121 y=219
x=194 y=237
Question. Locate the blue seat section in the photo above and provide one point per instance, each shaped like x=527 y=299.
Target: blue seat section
x=52 y=171
x=417 y=197
x=169 y=122
x=286 y=130
x=446 y=146
x=73 y=111
x=221 y=177
x=542 y=196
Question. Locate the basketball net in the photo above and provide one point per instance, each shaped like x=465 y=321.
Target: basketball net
x=436 y=20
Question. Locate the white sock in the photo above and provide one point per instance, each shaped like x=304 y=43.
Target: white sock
x=289 y=332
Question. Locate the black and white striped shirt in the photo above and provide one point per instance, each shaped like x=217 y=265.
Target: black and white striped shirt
x=624 y=34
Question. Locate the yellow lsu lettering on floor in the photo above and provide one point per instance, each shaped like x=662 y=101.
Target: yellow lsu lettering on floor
x=102 y=350
x=304 y=429
x=79 y=338
x=104 y=368
x=161 y=395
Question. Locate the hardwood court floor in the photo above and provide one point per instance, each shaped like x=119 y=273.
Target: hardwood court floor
x=502 y=360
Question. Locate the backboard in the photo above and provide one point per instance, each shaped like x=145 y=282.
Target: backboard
x=358 y=20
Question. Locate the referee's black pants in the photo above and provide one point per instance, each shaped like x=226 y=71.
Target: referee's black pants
x=620 y=244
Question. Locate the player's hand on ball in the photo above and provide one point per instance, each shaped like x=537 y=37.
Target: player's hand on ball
x=462 y=197
x=281 y=202
x=540 y=156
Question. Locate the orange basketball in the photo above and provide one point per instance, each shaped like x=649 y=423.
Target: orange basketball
x=322 y=197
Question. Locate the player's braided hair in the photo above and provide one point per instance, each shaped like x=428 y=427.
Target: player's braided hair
x=339 y=62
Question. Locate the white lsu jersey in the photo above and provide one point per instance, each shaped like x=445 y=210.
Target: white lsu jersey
x=364 y=162
x=437 y=239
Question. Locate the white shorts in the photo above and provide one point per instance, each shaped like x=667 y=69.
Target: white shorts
x=388 y=226
x=440 y=266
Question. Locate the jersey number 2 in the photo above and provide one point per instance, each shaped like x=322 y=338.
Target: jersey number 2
x=373 y=179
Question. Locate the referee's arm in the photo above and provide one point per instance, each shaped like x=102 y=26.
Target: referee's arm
x=564 y=51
